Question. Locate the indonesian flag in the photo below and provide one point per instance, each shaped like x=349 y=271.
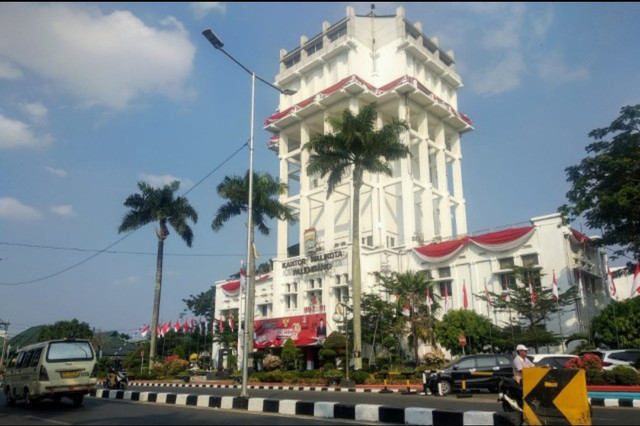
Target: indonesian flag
x=533 y=293
x=555 y=295
x=243 y=276
x=465 y=302
x=144 y=330
x=406 y=310
x=429 y=302
x=158 y=331
x=176 y=327
x=166 y=327
x=486 y=293
x=193 y=325
x=185 y=326
x=612 y=285
x=221 y=322
x=446 y=298
x=505 y=292
x=581 y=289
x=231 y=323
x=635 y=289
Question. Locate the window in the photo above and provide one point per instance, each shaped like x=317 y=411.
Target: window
x=265 y=310
x=506 y=263
x=337 y=279
x=507 y=281
x=444 y=272
x=391 y=242
x=338 y=32
x=314 y=47
x=467 y=363
x=292 y=60
x=67 y=351
x=26 y=360
x=446 y=285
x=291 y=301
x=486 y=361
x=36 y=357
x=529 y=260
x=367 y=241
x=503 y=360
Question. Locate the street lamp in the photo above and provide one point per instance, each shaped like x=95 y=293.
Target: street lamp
x=247 y=337
x=340 y=315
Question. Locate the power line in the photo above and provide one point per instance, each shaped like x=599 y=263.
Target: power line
x=105 y=250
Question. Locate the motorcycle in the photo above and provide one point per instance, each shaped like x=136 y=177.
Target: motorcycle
x=116 y=379
x=510 y=394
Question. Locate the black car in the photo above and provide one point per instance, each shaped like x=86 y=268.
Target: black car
x=478 y=372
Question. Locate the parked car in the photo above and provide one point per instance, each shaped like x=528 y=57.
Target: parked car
x=478 y=371
x=612 y=357
x=551 y=360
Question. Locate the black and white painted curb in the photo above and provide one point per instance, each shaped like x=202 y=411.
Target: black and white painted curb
x=326 y=410
x=267 y=387
x=613 y=402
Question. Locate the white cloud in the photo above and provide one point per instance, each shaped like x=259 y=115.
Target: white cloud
x=553 y=68
x=36 y=111
x=64 y=210
x=9 y=71
x=17 y=134
x=56 y=172
x=107 y=60
x=159 y=181
x=499 y=77
x=542 y=23
x=12 y=209
x=202 y=8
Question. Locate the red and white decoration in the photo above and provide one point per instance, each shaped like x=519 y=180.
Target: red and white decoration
x=493 y=241
x=612 y=285
x=465 y=301
x=555 y=293
x=533 y=293
x=635 y=289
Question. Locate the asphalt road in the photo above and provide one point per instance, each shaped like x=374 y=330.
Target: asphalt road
x=108 y=412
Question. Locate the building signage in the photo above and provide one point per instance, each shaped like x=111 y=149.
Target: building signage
x=310 y=239
x=314 y=263
x=303 y=330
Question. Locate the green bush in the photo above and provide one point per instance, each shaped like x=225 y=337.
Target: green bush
x=274 y=376
x=626 y=376
x=360 y=377
x=609 y=377
x=595 y=377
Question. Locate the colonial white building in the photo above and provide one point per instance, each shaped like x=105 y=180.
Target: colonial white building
x=412 y=220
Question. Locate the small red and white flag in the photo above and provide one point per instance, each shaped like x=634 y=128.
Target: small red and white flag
x=429 y=302
x=177 y=327
x=158 y=331
x=533 y=293
x=487 y=295
x=221 y=323
x=144 y=330
x=185 y=326
x=505 y=290
x=465 y=302
x=635 y=289
x=612 y=285
x=231 y=323
x=446 y=298
x=406 y=310
x=193 y=325
x=554 y=289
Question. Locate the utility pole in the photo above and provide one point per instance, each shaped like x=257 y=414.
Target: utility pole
x=4 y=333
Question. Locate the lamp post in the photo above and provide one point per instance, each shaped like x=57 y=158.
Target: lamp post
x=247 y=337
x=340 y=315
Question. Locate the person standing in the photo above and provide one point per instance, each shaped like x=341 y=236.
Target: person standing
x=520 y=361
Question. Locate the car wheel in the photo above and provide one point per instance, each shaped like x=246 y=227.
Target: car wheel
x=57 y=399
x=77 y=400
x=445 y=387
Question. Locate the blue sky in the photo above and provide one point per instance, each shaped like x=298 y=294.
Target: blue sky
x=95 y=97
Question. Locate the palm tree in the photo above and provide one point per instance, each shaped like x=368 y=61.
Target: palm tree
x=410 y=290
x=159 y=205
x=355 y=147
x=265 y=205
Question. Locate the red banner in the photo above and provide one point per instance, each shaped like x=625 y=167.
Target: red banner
x=304 y=330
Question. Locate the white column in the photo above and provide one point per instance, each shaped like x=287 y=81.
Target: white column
x=284 y=178
x=304 y=186
x=408 y=203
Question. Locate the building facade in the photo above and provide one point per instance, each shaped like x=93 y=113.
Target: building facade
x=409 y=220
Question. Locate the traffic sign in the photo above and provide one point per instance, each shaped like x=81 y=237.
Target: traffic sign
x=462 y=340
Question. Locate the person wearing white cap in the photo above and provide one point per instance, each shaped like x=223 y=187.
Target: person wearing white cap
x=520 y=361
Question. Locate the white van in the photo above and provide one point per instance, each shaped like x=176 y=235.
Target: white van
x=53 y=369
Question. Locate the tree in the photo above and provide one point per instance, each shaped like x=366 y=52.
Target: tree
x=334 y=346
x=291 y=355
x=65 y=330
x=159 y=205
x=377 y=320
x=605 y=187
x=410 y=290
x=475 y=327
x=357 y=148
x=519 y=301
x=264 y=205
x=618 y=321
x=202 y=305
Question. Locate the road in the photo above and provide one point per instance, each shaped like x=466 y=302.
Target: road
x=103 y=411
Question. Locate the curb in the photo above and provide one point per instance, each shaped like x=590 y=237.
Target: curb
x=326 y=410
x=612 y=402
x=268 y=387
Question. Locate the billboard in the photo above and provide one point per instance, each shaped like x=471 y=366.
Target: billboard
x=304 y=330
